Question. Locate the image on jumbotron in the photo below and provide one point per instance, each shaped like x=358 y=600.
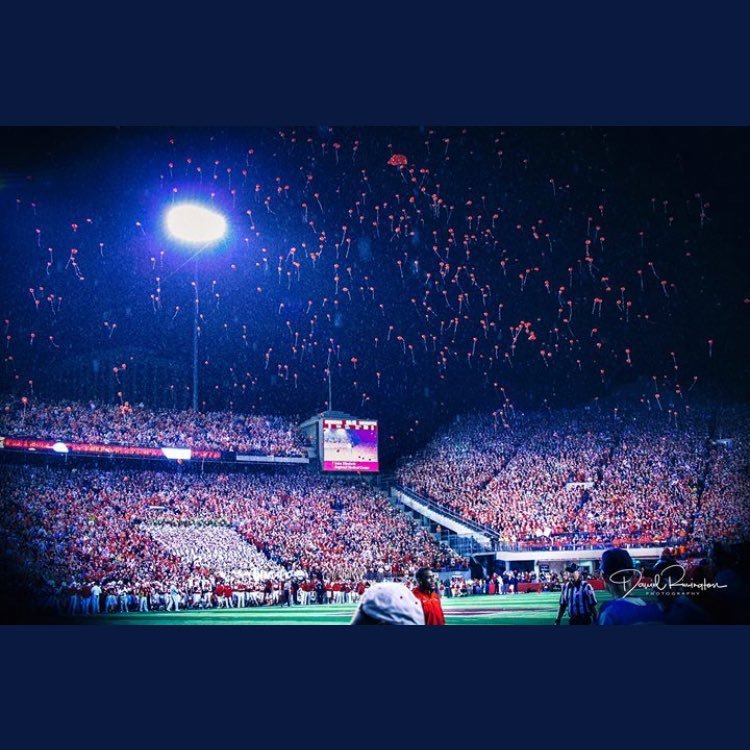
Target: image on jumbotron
x=406 y=375
x=350 y=445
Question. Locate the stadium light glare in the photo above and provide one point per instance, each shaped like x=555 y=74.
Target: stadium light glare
x=195 y=224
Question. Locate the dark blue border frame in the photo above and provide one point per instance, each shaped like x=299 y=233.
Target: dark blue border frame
x=586 y=64
x=636 y=63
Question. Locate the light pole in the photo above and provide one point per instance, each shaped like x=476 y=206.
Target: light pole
x=195 y=225
x=196 y=320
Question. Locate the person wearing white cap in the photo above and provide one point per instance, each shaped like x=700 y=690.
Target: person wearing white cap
x=388 y=604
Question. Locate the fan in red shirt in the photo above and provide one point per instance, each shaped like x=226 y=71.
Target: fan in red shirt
x=426 y=592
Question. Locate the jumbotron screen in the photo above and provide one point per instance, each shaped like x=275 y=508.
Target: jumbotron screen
x=350 y=445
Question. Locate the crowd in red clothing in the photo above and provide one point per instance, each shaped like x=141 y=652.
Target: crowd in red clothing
x=725 y=501
x=127 y=424
x=134 y=530
x=592 y=477
x=588 y=476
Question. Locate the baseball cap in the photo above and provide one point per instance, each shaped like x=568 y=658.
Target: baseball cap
x=571 y=568
x=388 y=604
x=614 y=560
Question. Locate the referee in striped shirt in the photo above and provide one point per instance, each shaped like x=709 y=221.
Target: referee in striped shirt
x=578 y=598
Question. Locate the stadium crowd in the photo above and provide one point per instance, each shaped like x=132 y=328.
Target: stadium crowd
x=175 y=539
x=724 y=510
x=584 y=478
x=125 y=424
x=158 y=532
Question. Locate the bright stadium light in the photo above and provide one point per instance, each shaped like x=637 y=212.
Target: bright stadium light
x=195 y=224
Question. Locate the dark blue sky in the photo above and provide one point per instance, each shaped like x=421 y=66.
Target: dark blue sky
x=271 y=314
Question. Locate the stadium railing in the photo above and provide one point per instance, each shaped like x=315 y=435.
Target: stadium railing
x=466 y=545
x=447 y=512
x=526 y=545
x=530 y=546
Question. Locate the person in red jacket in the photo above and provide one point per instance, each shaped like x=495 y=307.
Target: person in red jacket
x=228 y=603
x=426 y=592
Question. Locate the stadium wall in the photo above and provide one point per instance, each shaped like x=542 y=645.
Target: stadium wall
x=573 y=555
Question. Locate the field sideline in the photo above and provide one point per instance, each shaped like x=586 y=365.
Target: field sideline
x=519 y=609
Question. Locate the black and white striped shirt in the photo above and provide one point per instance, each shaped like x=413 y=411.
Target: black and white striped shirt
x=579 y=598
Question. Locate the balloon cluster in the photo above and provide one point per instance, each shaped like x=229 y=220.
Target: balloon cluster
x=420 y=270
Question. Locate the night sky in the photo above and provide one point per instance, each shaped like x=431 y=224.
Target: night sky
x=463 y=277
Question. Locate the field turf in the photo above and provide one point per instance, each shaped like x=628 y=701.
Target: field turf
x=519 y=609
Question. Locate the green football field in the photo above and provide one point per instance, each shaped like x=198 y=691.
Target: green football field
x=519 y=609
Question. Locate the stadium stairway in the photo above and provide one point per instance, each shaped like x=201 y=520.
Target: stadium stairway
x=468 y=545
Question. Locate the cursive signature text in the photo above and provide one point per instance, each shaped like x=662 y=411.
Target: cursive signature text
x=661 y=582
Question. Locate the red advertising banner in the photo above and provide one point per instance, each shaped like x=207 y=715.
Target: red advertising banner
x=100 y=449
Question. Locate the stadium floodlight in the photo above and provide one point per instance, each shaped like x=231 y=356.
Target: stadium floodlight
x=195 y=224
